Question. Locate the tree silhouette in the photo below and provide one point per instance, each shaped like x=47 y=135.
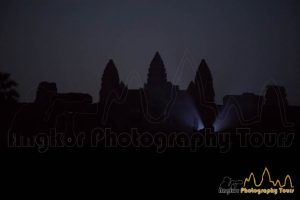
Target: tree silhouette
x=8 y=92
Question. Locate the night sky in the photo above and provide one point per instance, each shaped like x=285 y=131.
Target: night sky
x=247 y=44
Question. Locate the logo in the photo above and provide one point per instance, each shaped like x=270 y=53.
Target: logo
x=262 y=185
x=228 y=185
x=267 y=185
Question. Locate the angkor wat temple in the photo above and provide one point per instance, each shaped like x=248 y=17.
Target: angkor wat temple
x=158 y=106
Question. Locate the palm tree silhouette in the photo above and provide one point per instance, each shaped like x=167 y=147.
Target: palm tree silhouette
x=8 y=92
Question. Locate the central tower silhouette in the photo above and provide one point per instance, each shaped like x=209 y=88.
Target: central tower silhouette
x=157 y=75
x=158 y=90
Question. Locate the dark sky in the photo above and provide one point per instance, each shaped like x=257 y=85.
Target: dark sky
x=247 y=44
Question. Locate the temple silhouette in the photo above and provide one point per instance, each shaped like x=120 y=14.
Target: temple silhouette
x=160 y=106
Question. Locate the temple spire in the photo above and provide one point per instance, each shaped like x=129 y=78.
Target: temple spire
x=157 y=61
x=157 y=73
x=111 y=71
x=158 y=90
x=202 y=91
x=203 y=72
x=110 y=79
